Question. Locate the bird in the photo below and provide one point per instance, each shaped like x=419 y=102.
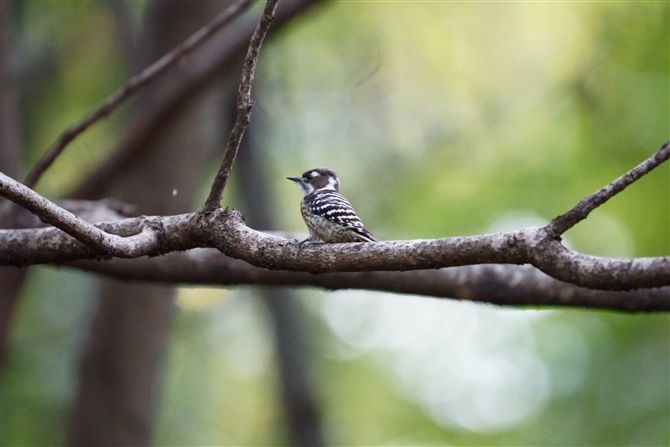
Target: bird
x=329 y=216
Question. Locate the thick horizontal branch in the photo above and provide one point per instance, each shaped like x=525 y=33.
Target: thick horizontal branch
x=529 y=246
x=52 y=246
x=505 y=285
x=226 y=231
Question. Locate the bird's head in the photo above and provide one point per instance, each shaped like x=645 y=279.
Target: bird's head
x=318 y=178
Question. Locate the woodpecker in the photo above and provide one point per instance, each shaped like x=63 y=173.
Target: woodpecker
x=328 y=215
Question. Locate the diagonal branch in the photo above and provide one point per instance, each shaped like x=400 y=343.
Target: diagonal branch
x=133 y=85
x=244 y=106
x=564 y=222
x=210 y=62
x=50 y=213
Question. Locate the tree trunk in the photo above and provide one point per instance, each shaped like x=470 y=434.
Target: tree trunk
x=121 y=368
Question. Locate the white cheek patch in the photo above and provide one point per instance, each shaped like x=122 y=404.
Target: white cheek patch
x=306 y=188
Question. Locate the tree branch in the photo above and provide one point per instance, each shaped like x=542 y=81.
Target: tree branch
x=226 y=231
x=504 y=285
x=244 y=106
x=564 y=222
x=133 y=85
x=210 y=62
x=50 y=213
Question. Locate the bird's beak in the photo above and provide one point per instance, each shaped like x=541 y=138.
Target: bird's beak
x=294 y=179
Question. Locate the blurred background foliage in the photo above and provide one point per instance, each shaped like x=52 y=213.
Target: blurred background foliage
x=442 y=119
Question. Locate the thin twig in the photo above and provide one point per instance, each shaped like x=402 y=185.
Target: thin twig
x=133 y=85
x=564 y=222
x=244 y=106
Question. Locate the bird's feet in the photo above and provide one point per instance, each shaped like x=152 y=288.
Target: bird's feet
x=300 y=245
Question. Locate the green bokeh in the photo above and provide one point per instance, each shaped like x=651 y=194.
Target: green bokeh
x=442 y=119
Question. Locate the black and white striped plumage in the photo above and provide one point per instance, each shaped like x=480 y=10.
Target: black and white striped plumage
x=328 y=215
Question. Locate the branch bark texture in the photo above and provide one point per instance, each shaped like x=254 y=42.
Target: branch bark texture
x=50 y=213
x=504 y=285
x=226 y=231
